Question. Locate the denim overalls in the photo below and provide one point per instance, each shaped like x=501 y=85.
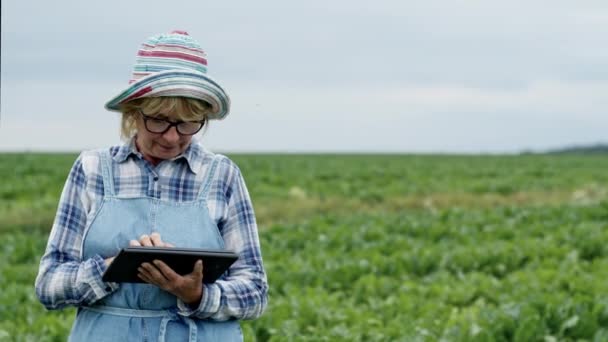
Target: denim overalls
x=143 y=312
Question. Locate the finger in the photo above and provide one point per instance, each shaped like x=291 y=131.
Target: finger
x=156 y=241
x=134 y=243
x=198 y=270
x=167 y=244
x=145 y=240
x=144 y=275
x=167 y=272
x=108 y=261
x=153 y=273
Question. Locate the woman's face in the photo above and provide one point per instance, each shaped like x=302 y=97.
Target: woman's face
x=156 y=147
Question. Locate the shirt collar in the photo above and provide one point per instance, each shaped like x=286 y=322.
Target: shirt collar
x=193 y=155
x=125 y=150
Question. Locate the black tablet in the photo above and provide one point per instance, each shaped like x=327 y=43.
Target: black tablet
x=124 y=267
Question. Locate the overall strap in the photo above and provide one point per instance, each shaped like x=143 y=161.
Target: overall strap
x=106 y=172
x=208 y=179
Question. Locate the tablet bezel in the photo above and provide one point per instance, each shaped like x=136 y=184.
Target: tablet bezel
x=123 y=268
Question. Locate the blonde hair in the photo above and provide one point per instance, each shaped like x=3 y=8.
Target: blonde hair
x=185 y=109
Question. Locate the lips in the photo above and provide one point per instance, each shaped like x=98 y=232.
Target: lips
x=167 y=148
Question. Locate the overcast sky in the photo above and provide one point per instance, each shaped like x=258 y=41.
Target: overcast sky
x=357 y=76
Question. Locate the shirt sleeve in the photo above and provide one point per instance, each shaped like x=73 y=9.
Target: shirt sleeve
x=243 y=292
x=63 y=277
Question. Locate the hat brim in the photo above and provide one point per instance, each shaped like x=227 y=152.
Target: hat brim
x=182 y=83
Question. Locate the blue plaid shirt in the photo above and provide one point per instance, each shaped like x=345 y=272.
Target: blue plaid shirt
x=65 y=279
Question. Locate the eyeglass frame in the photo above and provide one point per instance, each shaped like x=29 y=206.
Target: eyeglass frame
x=171 y=124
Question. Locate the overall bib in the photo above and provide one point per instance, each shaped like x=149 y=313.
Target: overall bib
x=144 y=312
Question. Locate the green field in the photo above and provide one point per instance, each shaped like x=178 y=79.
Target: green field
x=378 y=247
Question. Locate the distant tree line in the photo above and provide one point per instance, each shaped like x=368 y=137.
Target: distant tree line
x=598 y=148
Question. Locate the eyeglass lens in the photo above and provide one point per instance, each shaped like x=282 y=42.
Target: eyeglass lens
x=156 y=125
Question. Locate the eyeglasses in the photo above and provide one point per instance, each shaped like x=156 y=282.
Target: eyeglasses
x=160 y=126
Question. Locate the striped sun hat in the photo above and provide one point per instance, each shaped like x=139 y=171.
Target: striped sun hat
x=173 y=64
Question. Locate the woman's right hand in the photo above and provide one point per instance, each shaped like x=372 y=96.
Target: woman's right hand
x=152 y=240
x=144 y=240
x=108 y=261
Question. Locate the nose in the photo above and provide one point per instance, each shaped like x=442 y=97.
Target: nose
x=171 y=135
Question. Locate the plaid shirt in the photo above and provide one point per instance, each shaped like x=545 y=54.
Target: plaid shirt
x=65 y=279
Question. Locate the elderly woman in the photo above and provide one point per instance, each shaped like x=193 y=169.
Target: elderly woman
x=161 y=188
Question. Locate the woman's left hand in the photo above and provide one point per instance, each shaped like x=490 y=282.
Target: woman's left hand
x=188 y=288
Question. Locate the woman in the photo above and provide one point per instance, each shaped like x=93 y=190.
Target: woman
x=161 y=188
